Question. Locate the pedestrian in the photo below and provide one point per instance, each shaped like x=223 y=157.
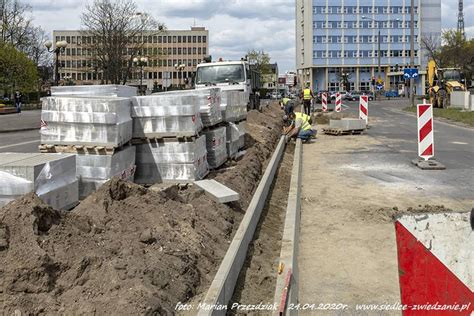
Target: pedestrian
x=299 y=127
x=18 y=97
x=307 y=98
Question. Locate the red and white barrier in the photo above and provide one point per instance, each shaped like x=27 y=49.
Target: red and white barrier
x=324 y=102
x=425 y=131
x=435 y=261
x=338 y=102
x=364 y=108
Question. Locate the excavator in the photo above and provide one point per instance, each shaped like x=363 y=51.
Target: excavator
x=442 y=82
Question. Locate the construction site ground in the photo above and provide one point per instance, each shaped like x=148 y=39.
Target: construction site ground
x=352 y=188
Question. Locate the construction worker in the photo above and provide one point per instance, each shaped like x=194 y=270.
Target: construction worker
x=299 y=127
x=307 y=97
x=287 y=105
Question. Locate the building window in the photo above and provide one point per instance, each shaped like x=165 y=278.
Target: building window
x=179 y=39
x=194 y=39
x=204 y=50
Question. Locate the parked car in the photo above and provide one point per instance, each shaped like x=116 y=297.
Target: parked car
x=392 y=94
x=371 y=95
x=319 y=98
x=333 y=94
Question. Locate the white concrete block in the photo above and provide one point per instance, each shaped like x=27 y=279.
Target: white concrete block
x=347 y=124
x=217 y=191
x=460 y=99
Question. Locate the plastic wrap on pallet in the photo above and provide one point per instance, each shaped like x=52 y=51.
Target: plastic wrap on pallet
x=171 y=161
x=99 y=121
x=243 y=101
x=230 y=105
x=108 y=135
x=209 y=100
x=95 y=90
x=51 y=176
x=216 y=146
x=232 y=139
x=165 y=115
x=97 y=169
x=242 y=131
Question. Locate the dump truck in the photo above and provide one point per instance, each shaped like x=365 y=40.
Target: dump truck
x=442 y=82
x=231 y=75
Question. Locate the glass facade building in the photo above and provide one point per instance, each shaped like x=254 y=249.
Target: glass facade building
x=341 y=36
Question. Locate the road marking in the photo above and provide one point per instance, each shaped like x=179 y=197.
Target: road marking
x=459 y=143
x=19 y=144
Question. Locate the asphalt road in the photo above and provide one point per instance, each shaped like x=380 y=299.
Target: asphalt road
x=391 y=162
x=21 y=142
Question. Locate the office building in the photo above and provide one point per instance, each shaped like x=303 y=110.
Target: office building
x=341 y=36
x=163 y=49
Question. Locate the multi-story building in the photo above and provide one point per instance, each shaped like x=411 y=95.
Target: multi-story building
x=341 y=36
x=163 y=49
x=270 y=80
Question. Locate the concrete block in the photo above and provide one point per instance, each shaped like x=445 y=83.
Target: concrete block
x=347 y=124
x=95 y=90
x=472 y=103
x=460 y=99
x=217 y=191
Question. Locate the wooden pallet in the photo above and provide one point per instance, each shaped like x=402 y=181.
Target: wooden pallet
x=339 y=132
x=81 y=149
x=148 y=140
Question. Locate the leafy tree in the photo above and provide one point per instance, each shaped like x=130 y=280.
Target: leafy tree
x=261 y=60
x=17 y=71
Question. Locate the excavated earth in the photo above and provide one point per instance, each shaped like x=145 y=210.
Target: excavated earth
x=126 y=250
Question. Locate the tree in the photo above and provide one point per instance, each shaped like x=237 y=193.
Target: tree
x=261 y=60
x=16 y=25
x=457 y=52
x=17 y=71
x=115 y=28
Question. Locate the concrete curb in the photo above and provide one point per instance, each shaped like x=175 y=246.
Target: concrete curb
x=286 y=293
x=222 y=288
x=20 y=130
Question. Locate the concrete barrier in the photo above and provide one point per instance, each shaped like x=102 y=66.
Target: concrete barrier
x=472 y=103
x=223 y=285
x=460 y=99
x=286 y=291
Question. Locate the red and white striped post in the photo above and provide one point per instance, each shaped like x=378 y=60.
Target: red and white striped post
x=425 y=131
x=338 y=102
x=324 y=101
x=364 y=108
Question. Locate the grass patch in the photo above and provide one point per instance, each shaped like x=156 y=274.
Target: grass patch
x=450 y=114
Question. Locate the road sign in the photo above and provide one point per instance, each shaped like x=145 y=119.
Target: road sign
x=409 y=73
x=379 y=86
x=324 y=101
x=338 y=102
x=364 y=108
x=425 y=131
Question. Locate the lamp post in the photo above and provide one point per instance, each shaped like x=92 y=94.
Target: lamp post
x=140 y=62
x=59 y=47
x=379 y=71
x=180 y=68
x=412 y=51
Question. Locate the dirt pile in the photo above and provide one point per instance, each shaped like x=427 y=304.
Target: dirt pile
x=390 y=214
x=125 y=250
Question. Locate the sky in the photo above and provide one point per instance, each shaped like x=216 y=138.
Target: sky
x=235 y=26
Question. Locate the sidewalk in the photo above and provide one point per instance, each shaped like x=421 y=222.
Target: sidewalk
x=27 y=120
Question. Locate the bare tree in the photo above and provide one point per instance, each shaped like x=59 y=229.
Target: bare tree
x=115 y=28
x=16 y=26
x=432 y=46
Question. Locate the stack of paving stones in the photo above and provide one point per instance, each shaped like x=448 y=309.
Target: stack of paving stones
x=95 y=123
x=234 y=112
x=51 y=176
x=166 y=134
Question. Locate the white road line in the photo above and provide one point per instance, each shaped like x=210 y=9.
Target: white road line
x=19 y=144
x=459 y=143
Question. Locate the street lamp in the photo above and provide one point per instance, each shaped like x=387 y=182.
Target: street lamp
x=180 y=68
x=60 y=47
x=140 y=62
x=379 y=71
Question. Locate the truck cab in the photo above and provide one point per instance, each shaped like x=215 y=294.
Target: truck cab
x=230 y=75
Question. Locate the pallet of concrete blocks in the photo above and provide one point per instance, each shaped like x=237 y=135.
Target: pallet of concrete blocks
x=230 y=105
x=241 y=127
x=110 y=90
x=243 y=102
x=85 y=124
x=51 y=176
x=94 y=170
x=232 y=139
x=216 y=146
x=209 y=100
x=171 y=160
x=166 y=115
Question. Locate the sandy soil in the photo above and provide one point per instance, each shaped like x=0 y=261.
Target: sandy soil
x=126 y=250
x=347 y=246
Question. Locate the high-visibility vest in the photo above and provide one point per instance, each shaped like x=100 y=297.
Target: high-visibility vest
x=285 y=101
x=307 y=94
x=305 y=119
